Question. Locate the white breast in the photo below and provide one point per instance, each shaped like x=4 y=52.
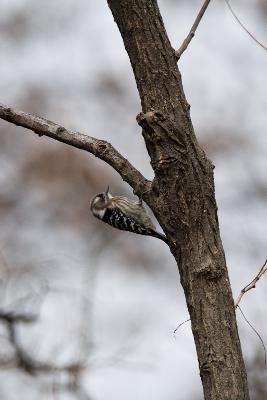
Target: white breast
x=99 y=213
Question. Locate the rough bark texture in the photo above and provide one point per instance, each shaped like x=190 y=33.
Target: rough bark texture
x=181 y=194
x=183 y=198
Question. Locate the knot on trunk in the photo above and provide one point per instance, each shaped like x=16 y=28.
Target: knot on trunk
x=165 y=143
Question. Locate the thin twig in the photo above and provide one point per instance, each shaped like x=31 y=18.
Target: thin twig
x=192 y=32
x=179 y=326
x=243 y=26
x=252 y=284
x=256 y=332
x=99 y=148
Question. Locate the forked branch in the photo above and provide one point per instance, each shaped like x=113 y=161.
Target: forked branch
x=99 y=148
x=252 y=284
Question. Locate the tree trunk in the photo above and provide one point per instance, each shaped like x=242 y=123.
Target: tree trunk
x=183 y=199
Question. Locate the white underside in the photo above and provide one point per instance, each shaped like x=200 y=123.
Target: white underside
x=99 y=213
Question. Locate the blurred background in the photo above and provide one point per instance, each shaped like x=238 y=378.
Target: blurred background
x=87 y=312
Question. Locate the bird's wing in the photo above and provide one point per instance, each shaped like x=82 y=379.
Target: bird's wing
x=115 y=217
x=131 y=209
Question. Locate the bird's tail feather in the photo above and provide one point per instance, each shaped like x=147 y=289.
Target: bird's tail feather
x=159 y=236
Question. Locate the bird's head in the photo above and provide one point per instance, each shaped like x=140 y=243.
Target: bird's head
x=99 y=203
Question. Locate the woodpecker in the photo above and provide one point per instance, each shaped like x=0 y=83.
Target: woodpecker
x=124 y=214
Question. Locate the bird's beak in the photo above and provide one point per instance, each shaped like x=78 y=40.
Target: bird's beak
x=107 y=193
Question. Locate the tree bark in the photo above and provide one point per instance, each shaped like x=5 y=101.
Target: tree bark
x=181 y=195
x=183 y=199
x=99 y=148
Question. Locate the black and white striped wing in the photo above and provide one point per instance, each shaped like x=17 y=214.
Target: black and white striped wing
x=116 y=218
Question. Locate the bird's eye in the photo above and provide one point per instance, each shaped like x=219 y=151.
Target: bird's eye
x=98 y=198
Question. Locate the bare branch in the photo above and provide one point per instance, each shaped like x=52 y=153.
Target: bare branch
x=243 y=26
x=99 y=148
x=179 y=326
x=192 y=32
x=252 y=284
x=256 y=332
x=11 y=317
x=22 y=359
